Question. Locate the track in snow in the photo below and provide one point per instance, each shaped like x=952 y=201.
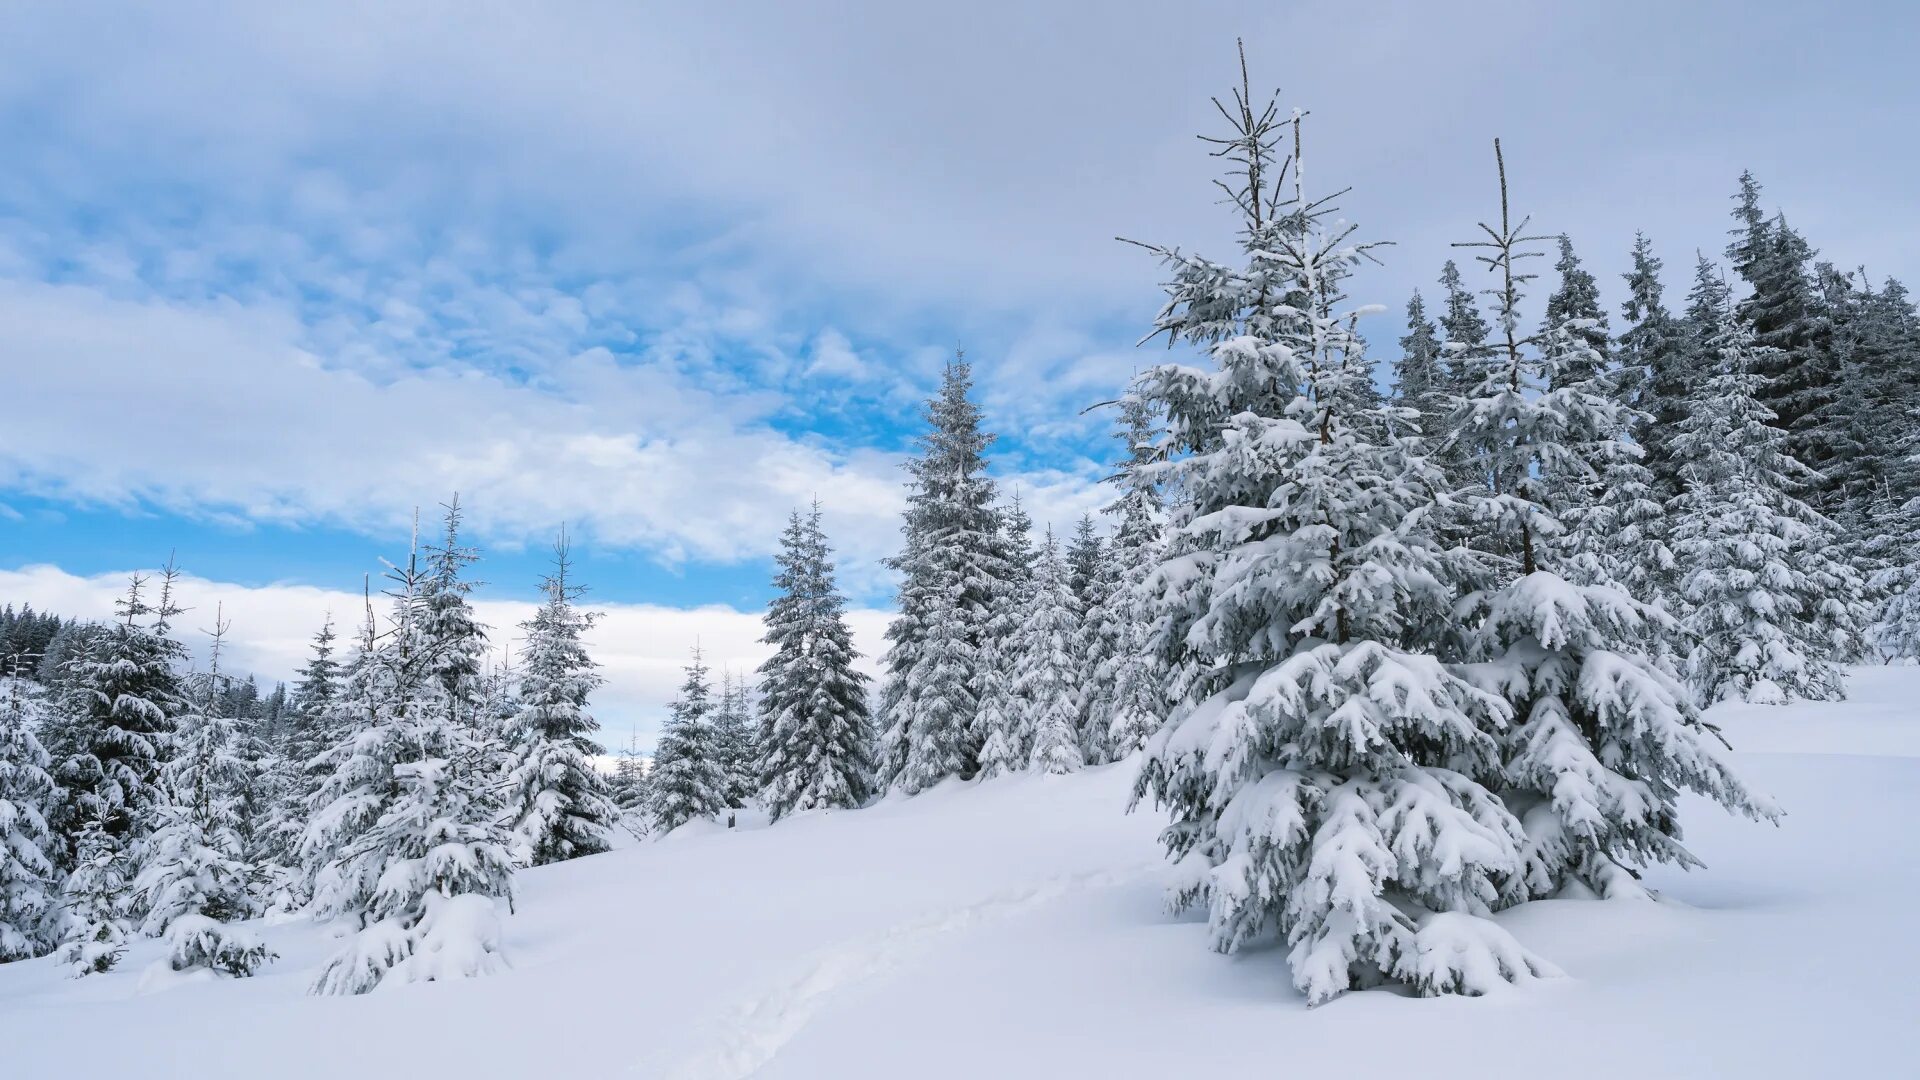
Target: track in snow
x=755 y=1032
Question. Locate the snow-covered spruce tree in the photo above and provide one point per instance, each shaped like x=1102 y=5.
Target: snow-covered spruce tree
x=996 y=720
x=1603 y=741
x=1652 y=351
x=1576 y=305
x=1620 y=535
x=309 y=733
x=1616 y=532
x=952 y=567
x=1091 y=579
x=1138 y=697
x=455 y=640
x=1790 y=318
x=562 y=808
x=1084 y=555
x=29 y=883
x=1464 y=335
x=629 y=788
x=259 y=790
x=1770 y=609
x=125 y=694
x=1463 y=343
x=416 y=854
x=1047 y=666
x=686 y=781
x=94 y=899
x=1420 y=377
x=736 y=740
x=195 y=877
x=498 y=709
x=1897 y=633
x=1875 y=478
x=352 y=780
x=1327 y=776
x=816 y=751
x=1016 y=543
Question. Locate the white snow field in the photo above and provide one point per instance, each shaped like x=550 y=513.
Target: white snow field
x=1015 y=929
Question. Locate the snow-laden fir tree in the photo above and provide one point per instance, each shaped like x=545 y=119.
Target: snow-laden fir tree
x=1084 y=555
x=1464 y=335
x=1133 y=676
x=1620 y=535
x=1897 y=633
x=1092 y=578
x=1575 y=303
x=25 y=635
x=1328 y=777
x=816 y=750
x=1875 y=475
x=1420 y=377
x=351 y=779
x=1798 y=372
x=1047 y=666
x=996 y=719
x=456 y=642
x=29 y=883
x=309 y=734
x=125 y=694
x=1616 y=529
x=736 y=740
x=1016 y=543
x=52 y=670
x=1652 y=351
x=1771 y=611
x=498 y=710
x=415 y=853
x=194 y=879
x=629 y=787
x=952 y=566
x=562 y=808
x=1602 y=741
x=94 y=899
x=260 y=789
x=686 y=781
x=997 y=722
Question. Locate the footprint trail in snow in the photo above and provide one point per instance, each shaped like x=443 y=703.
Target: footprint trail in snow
x=755 y=1033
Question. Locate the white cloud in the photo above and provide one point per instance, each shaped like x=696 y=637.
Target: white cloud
x=982 y=155
x=832 y=355
x=215 y=409
x=641 y=647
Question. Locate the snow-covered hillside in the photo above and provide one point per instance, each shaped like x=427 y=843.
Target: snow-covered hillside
x=1015 y=929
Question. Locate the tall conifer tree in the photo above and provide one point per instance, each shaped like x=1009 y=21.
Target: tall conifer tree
x=194 y=881
x=407 y=830
x=687 y=780
x=29 y=885
x=954 y=566
x=1602 y=741
x=1771 y=610
x=816 y=750
x=561 y=803
x=1327 y=774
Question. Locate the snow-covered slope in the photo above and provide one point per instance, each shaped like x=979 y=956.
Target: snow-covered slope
x=1015 y=929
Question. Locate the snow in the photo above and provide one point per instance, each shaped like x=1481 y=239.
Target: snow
x=1017 y=928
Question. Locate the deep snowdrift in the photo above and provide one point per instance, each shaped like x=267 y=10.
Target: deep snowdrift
x=1015 y=929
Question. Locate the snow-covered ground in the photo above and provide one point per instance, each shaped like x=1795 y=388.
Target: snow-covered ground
x=1015 y=929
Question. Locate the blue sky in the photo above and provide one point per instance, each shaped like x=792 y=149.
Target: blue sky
x=271 y=278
